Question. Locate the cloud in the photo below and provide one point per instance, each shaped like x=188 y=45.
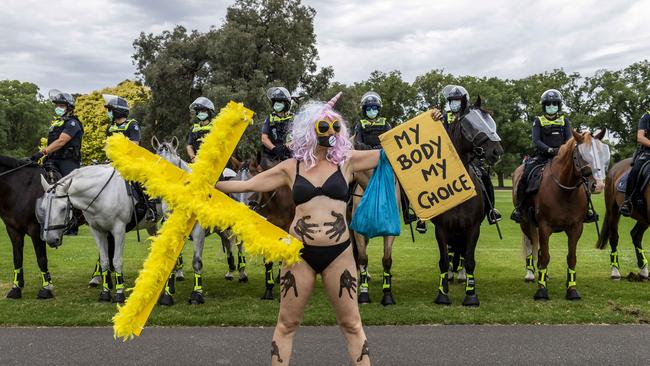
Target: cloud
x=79 y=46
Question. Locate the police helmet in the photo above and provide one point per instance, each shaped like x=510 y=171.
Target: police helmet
x=119 y=106
x=551 y=96
x=202 y=103
x=451 y=92
x=370 y=99
x=279 y=94
x=58 y=97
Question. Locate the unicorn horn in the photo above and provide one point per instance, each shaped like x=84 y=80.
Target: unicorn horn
x=333 y=101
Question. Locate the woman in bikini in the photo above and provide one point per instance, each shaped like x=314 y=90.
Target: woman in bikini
x=323 y=164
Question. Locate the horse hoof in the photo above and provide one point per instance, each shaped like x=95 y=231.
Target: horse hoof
x=616 y=274
x=268 y=294
x=119 y=298
x=471 y=300
x=44 y=293
x=196 y=298
x=364 y=298
x=105 y=296
x=228 y=277
x=95 y=281
x=442 y=299
x=572 y=294
x=643 y=273
x=180 y=276
x=15 y=293
x=541 y=294
x=165 y=299
x=387 y=299
x=529 y=277
x=243 y=279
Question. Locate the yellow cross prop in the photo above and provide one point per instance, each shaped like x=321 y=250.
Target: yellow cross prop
x=192 y=196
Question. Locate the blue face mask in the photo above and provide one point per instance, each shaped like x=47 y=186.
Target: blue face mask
x=278 y=106
x=202 y=115
x=59 y=111
x=454 y=105
x=110 y=115
x=372 y=112
x=552 y=109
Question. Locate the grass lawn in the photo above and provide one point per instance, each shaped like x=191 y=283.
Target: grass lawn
x=505 y=298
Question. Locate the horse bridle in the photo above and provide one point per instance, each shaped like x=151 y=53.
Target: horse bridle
x=579 y=163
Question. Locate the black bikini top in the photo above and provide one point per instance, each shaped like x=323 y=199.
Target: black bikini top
x=335 y=187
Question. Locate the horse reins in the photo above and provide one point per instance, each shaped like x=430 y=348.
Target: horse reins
x=577 y=166
x=14 y=169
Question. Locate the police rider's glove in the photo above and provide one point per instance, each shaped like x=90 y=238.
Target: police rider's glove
x=36 y=157
x=553 y=150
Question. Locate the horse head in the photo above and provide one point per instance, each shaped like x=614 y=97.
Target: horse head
x=591 y=158
x=475 y=135
x=168 y=151
x=54 y=211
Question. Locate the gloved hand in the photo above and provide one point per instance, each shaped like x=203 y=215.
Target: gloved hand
x=281 y=151
x=553 y=150
x=36 y=157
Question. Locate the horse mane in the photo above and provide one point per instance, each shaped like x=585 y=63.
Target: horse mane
x=9 y=162
x=567 y=148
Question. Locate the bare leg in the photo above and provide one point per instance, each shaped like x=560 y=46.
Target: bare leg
x=341 y=289
x=296 y=287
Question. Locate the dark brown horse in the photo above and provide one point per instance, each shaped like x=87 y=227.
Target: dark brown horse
x=20 y=188
x=561 y=203
x=613 y=202
x=277 y=207
x=474 y=137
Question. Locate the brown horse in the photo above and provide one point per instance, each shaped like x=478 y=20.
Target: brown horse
x=613 y=202
x=278 y=208
x=561 y=203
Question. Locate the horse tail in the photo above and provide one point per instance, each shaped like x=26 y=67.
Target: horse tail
x=611 y=211
x=530 y=245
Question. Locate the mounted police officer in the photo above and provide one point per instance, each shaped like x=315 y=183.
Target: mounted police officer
x=63 y=151
x=550 y=131
x=118 y=112
x=641 y=156
x=367 y=131
x=458 y=101
x=276 y=128
x=203 y=110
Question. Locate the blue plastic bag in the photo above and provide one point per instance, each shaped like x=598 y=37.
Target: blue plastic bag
x=377 y=213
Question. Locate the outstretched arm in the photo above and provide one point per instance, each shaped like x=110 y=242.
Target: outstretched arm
x=363 y=159
x=266 y=181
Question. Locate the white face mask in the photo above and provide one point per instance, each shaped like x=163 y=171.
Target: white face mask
x=552 y=109
x=59 y=111
x=372 y=113
x=202 y=115
x=278 y=106
x=454 y=105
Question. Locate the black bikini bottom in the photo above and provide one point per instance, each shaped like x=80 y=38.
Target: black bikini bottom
x=319 y=257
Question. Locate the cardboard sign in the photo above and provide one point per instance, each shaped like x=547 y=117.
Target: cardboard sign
x=427 y=165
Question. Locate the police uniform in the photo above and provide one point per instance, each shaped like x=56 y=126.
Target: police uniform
x=128 y=128
x=640 y=157
x=448 y=119
x=196 y=135
x=68 y=157
x=277 y=129
x=366 y=133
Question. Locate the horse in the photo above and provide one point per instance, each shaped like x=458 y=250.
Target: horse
x=361 y=242
x=168 y=151
x=474 y=136
x=20 y=188
x=101 y=193
x=613 y=202
x=278 y=208
x=561 y=204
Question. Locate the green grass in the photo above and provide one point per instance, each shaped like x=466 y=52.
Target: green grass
x=505 y=298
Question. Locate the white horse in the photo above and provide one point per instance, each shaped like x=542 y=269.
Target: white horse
x=167 y=151
x=100 y=192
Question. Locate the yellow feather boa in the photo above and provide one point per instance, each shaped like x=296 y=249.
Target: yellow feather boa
x=192 y=196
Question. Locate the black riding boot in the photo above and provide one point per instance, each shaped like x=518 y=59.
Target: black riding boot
x=521 y=195
x=626 y=208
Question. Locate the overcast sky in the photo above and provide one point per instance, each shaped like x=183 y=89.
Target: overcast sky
x=79 y=46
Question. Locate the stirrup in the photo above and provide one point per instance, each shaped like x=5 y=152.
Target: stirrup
x=494 y=216
x=626 y=208
x=421 y=227
x=516 y=216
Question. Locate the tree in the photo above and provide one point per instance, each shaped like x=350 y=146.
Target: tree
x=24 y=117
x=92 y=114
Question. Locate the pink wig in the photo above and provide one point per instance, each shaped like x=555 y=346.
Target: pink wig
x=304 y=141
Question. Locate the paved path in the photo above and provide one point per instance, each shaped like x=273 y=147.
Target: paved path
x=405 y=345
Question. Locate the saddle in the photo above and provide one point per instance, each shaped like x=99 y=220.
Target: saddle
x=534 y=178
x=642 y=179
x=143 y=203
